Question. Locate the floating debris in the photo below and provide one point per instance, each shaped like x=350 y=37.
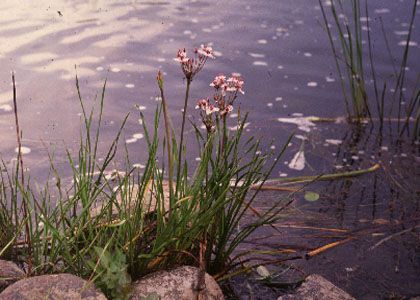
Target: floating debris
x=298 y=161
x=303 y=123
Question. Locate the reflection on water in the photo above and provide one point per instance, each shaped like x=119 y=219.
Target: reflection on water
x=279 y=48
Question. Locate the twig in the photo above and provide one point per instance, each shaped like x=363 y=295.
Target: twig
x=392 y=236
x=325 y=177
x=319 y=250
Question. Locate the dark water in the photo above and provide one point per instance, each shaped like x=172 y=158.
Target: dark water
x=283 y=54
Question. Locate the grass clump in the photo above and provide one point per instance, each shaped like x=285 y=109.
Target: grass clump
x=352 y=48
x=115 y=231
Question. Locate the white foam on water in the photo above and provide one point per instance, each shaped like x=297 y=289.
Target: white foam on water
x=129 y=85
x=262 y=41
x=257 y=55
x=329 y=79
x=259 y=63
x=270 y=104
x=138 y=136
x=130 y=141
x=24 y=150
x=6 y=107
x=312 y=84
x=115 y=70
x=401 y=32
x=307 y=54
x=280 y=67
x=99 y=69
x=279 y=98
x=141 y=107
x=297 y=115
x=410 y=43
x=334 y=141
x=235 y=128
x=139 y=166
x=381 y=10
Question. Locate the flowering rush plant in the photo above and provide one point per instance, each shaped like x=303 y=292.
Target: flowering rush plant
x=226 y=92
x=216 y=193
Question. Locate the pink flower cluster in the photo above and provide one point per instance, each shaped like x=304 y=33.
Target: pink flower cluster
x=226 y=92
x=191 y=66
x=232 y=84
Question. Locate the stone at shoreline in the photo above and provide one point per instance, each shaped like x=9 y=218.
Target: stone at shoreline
x=183 y=283
x=9 y=273
x=316 y=287
x=149 y=200
x=59 y=286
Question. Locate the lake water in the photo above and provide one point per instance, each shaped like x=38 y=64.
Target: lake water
x=282 y=52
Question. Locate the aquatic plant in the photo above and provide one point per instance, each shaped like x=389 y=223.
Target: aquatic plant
x=150 y=221
x=355 y=64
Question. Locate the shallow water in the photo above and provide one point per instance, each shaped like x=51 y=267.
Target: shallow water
x=280 y=49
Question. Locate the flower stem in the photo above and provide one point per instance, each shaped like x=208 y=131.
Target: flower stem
x=181 y=142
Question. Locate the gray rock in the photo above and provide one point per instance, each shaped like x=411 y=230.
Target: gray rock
x=149 y=201
x=182 y=283
x=51 y=287
x=316 y=287
x=9 y=273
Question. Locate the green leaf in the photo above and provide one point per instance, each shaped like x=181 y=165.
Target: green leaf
x=311 y=196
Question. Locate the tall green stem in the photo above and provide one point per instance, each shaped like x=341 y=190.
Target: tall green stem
x=181 y=142
x=168 y=140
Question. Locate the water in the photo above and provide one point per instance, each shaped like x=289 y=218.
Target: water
x=283 y=54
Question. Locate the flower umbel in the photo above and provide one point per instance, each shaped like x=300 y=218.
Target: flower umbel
x=191 y=66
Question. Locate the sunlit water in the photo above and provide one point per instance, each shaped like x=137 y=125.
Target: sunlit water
x=279 y=47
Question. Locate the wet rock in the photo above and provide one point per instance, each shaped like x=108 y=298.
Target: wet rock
x=59 y=286
x=183 y=283
x=317 y=287
x=9 y=273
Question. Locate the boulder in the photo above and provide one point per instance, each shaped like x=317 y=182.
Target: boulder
x=59 y=286
x=183 y=283
x=9 y=273
x=149 y=201
x=316 y=287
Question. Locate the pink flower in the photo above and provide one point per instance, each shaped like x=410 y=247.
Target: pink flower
x=218 y=81
x=204 y=105
x=182 y=56
x=234 y=84
x=205 y=51
x=227 y=110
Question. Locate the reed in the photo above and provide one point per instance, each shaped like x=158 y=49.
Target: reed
x=343 y=26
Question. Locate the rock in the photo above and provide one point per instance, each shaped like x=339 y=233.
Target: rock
x=9 y=273
x=59 y=286
x=316 y=287
x=149 y=202
x=183 y=283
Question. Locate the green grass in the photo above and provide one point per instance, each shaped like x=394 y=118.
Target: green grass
x=104 y=231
